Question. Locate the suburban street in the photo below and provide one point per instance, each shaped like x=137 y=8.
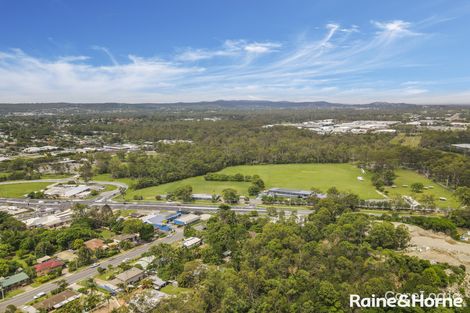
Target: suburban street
x=85 y=273
x=102 y=199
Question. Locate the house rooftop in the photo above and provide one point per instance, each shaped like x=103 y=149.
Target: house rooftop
x=160 y=218
x=145 y=261
x=125 y=237
x=129 y=274
x=291 y=191
x=48 y=221
x=51 y=264
x=58 y=300
x=157 y=280
x=188 y=218
x=94 y=244
x=13 y=279
x=66 y=255
x=43 y=259
x=191 y=241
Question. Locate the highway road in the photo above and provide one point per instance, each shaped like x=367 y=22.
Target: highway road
x=106 y=198
x=63 y=204
x=21 y=299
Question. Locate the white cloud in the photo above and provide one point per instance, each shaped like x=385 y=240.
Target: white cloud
x=230 y=48
x=389 y=31
x=257 y=47
x=341 y=64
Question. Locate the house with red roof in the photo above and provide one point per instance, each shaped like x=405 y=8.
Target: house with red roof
x=46 y=267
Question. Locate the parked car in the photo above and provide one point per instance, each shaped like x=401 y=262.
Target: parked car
x=39 y=295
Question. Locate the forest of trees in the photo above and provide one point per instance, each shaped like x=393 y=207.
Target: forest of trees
x=285 y=145
x=292 y=267
x=239 y=139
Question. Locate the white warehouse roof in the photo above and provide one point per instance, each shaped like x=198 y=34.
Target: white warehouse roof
x=187 y=219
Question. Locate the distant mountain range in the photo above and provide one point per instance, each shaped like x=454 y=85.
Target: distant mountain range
x=57 y=108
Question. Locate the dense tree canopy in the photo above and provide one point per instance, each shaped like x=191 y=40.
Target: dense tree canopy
x=291 y=267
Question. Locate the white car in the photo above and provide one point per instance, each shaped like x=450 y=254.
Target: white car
x=94 y=265
x=39 y=295
x=125 y=260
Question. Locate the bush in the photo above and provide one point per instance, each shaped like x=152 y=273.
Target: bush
x=224 y=177
x=438 y=224
x=36 y=195
x=417 y=187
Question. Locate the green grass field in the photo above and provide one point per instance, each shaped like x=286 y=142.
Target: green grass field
x=18 y=190
x=295 y=176
x=409 y=141
x=405 y=177
x=299 y=176
x=107 y=177
x=172 y=290
x=107 y=234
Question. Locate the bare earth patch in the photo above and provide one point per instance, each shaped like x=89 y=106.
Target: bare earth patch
x=438 y=247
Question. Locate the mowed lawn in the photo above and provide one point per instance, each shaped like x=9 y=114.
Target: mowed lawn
x=409 y=141
x=406 y=177
x=199 y=184
x=107 y=177
x=18 y=190
x=294 y=176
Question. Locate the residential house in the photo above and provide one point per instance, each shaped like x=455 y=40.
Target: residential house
x=66 y=256
x=126 y=237
x=10 y=282
x=58 y=300
x=43 y=259
x=48 y=266
x=130 y=276
x=158 y=283
x=95 y=244
x=192 y=242
x=145 y=261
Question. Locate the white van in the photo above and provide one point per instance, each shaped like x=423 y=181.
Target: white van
x=39 y=295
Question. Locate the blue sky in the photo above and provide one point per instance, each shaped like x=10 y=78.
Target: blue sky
x=168 y=51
